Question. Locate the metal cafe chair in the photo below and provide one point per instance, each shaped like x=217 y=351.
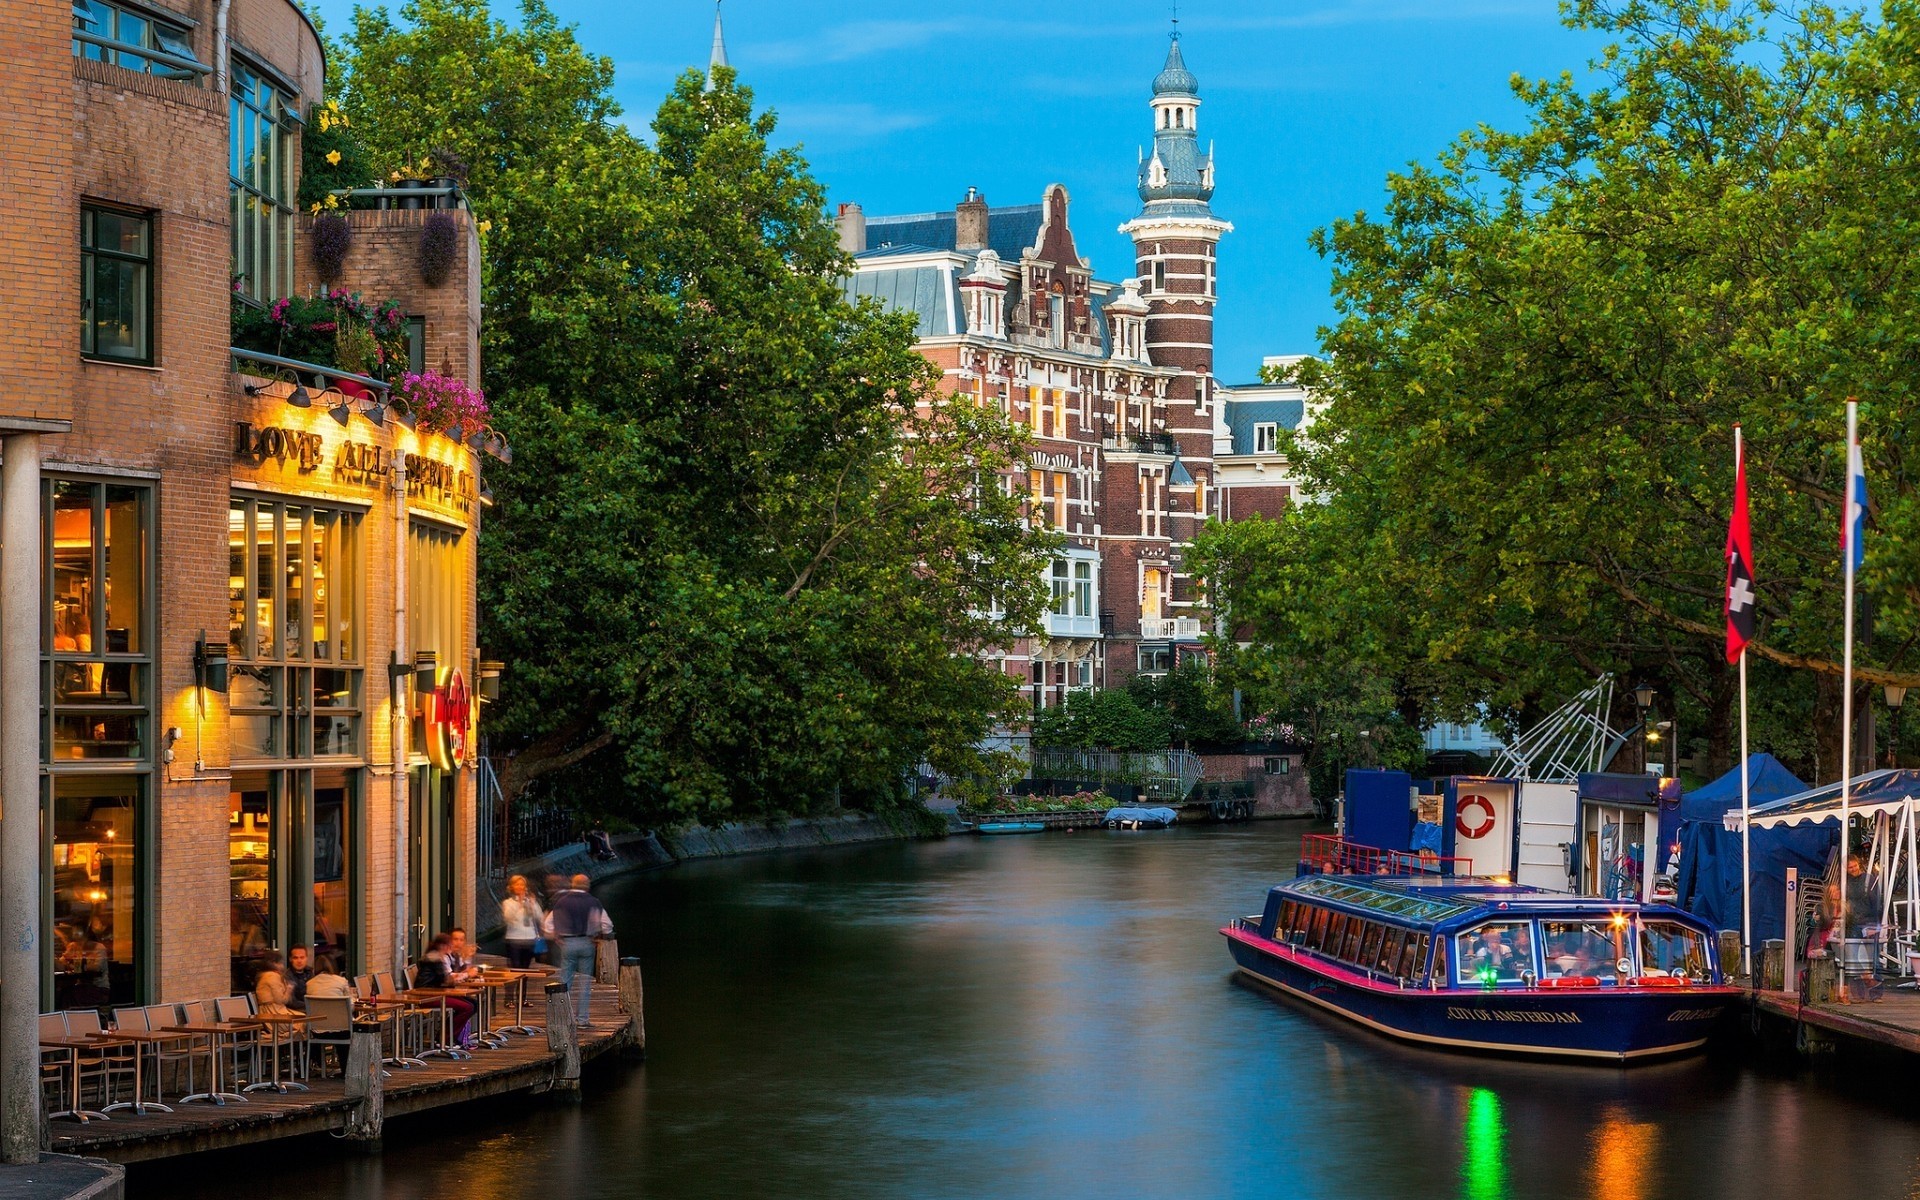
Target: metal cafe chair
x=332 y=1026
x=112 y=1059
x=179 y=1048
x=239 y=1008
x=408 y=1019
x=74 y=1059
x=137 y=1034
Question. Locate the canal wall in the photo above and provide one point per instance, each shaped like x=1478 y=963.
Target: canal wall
x=649 y=851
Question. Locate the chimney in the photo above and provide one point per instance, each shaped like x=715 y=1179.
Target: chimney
x=852 y=225
x=970 y=222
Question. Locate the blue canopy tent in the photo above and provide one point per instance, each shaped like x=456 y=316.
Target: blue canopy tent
x=1708 y=882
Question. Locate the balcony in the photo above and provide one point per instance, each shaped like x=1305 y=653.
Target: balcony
x=1060 y=625
x=1171 y=629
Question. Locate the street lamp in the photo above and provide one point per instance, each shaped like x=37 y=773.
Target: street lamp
x=1643 y=700
x=1895 y=696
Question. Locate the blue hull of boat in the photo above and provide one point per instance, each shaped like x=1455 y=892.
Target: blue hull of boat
x=1609 y=1024
x=1013 y=827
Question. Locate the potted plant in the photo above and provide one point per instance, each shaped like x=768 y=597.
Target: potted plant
x=439 y=246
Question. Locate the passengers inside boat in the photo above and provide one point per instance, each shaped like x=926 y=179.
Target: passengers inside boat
x=1580 y=952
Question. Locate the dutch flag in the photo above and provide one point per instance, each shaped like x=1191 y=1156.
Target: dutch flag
x=1853 y=525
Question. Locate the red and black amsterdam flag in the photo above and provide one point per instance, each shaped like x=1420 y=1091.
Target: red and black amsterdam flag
x=1740 y=595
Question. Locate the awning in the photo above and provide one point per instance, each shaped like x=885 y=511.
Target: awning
x=1869 y=794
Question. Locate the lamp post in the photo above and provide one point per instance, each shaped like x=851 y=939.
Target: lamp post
x=1643 y=700
x=1895 y=696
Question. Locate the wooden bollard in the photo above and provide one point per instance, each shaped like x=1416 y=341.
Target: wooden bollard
x=1773 y=967
x=606 y=961
x=561 y=1039
x=1823 y=980
x=364 y=1090
x=1730 y=958
x=633 y=1002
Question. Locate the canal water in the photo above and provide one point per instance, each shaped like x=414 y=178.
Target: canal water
x=1054 y=1016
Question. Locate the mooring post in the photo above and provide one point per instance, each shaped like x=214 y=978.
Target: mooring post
x=1729 y=947
x=363 y=1087
x=606 y=960
x=561 y=1039
x=633 y=1002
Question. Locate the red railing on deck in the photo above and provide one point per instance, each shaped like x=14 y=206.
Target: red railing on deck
x=1330 y=854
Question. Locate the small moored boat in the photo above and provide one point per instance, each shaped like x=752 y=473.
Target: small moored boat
x=1476 y=964
x=1126 y=817
x=1011 y=827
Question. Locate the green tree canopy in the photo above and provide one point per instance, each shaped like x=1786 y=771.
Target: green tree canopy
x=1525 y=449
x=744 y=553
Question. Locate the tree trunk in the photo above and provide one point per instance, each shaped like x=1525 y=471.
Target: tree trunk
x=1826 y=729
x=1723 y=733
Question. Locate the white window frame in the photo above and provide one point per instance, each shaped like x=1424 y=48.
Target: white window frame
x=1266 y=437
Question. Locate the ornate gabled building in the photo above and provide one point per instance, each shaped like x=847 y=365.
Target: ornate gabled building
x=1114 y=380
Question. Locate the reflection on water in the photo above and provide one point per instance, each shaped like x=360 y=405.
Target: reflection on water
x=1054 y=1016
x=1484 y=1149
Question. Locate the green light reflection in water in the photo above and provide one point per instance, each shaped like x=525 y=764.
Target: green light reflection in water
x=1483 y=1165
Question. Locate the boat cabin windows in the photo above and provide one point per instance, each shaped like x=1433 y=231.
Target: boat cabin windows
x=1495 y=953
x=1598 y=950
x=1370 y=945
x=1317 y=928
x=1670 y=948
x=1413 y=955
x=1350 y=944
x=1387 y=957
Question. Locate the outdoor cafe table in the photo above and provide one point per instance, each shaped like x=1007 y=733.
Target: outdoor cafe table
x=140 y=1040
x=73 y=1047
x=213 y=1031
x=280 y=1027
x=516 y=979
x=387 y=1010
x=437 y=997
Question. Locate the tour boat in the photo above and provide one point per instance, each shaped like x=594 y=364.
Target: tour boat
x=1484 y=965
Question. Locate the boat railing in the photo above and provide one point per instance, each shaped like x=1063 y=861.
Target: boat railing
x=1331 y=854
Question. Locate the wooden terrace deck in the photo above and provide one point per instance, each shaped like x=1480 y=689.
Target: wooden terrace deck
x=523 y=1064
x=1893 y=1020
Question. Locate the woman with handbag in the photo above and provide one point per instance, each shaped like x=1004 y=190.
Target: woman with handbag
x=520 y=914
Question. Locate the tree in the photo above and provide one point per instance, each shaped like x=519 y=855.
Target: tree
x=1197 y=709
x=1543 y=344
x=744 y=552
x=1104 y=720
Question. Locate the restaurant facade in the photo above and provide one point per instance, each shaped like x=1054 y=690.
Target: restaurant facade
x=239 y=677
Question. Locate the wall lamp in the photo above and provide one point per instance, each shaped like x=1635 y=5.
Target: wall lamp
x=490 y=678
x=209 y=665
x=426 y=663
x=300 y=398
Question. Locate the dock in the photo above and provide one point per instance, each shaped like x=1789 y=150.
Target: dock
x=1892 y=1021
x=524 y=1064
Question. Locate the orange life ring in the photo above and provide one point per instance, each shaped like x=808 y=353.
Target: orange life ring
x=1460 y=817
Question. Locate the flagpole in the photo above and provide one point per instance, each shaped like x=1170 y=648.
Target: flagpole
x=1851 y=534
x=1746 y=799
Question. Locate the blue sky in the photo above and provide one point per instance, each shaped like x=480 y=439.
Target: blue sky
x=902 y=106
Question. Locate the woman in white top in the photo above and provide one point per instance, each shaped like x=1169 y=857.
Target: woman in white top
x=327 y=980
x=521 y=915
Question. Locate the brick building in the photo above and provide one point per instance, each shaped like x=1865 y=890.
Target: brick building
x=1135 y=442
x=215 y=586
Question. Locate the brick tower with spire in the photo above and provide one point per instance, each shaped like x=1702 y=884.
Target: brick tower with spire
x=1175 y=234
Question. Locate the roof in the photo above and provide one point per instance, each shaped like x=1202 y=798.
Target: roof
x=1874 y=792
x=930 y=293
x=1010 y=230
x=1767 y=781
x=1174 y=79
x=1242 y=415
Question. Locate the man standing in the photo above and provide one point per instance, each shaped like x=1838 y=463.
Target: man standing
x=575 y=920
x=299 y=970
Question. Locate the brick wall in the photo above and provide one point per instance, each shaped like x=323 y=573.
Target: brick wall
x=79 y=129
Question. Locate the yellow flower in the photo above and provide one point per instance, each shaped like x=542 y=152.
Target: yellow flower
x=333 y=156
x=486 y=226
x=316 y=208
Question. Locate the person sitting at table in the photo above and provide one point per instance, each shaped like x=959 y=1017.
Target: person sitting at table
x=298 y=971
x=271 y=991
x=459 y=955
x=432 y=972
x=327 y=981
x=86 y=960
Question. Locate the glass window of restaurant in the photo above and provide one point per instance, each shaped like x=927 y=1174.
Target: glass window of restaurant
x=96 y=671
x=437 y=583
x=297 y=685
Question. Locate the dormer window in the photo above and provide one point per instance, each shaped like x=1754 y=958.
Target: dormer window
x=1266 y=437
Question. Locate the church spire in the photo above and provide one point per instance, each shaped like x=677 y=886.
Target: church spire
x=718 y=57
